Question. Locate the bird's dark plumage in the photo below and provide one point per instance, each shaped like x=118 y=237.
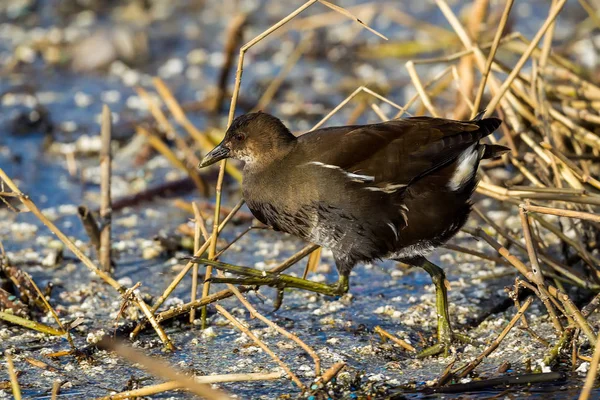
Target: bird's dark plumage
x=391 y=190
x=394 y=190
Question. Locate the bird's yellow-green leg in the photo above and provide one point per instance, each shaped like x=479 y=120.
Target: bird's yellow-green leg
x=445 y=334
x=281 y=281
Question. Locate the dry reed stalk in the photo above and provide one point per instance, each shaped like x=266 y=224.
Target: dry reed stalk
x=91 y=226
x=386 y=335
x=234 y=321
x=71 y=246
x=491 y=56
x=160 y=146
x=223 y=294
x=292 y=60
x=167 y=292
x=105 y=198
x=525 y=57
x=233 y=38
x=255 y=314
x=51 y=310
x=538 y=277
x=55 y=389
x=348 y=14
x=460 y=89
x=163 y=122
x=199 y=230
x=379 y=112
x=465 y=250
x=591 y=375
x=562 y=212
x=171 y=102
x=14 y=381
x=175 y=385
x=350 y=97
x=29 y=324
x=313 y=262
x=464 y=371
x=163 y=370
x=412 y=72
x=212 y=248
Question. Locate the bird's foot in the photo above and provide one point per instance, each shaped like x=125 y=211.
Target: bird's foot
x=444 y=343
x=254 y=277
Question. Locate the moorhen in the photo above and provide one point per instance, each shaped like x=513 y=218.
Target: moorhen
x=392 y=190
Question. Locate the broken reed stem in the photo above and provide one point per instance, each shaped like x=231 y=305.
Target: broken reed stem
x=163 y=370
x=561 y=212
x=14 y=382
x=84 y=259
x=524 y=58
x=414 y=77
x=198 y=223
x=91 y=227
x=51 y=310
x=223 y=294
x=55 y=389
x=209 y=379
x=263 y=346
x=350 y=97
x=105 y=199
x=255 y=314
x=491 y=56
x=591 y=375
x=473 y=364
x=167 y=292
x=386 y=335
x=538 y=277
x=212 y=249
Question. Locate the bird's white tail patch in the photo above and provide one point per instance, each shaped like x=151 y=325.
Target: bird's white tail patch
x=465 y=168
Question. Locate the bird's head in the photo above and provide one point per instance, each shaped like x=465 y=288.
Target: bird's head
x=252 y=138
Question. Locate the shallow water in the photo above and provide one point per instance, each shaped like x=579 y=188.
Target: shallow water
x=400 y=301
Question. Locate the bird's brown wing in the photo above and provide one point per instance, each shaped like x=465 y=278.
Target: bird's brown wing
x=391 y=155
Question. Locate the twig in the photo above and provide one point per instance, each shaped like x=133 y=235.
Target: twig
x=255 y=314
x=259 y=342
x=163 y=370
x=490 y=59
x=591 y=375
x=223 y=294
x=524 y=58
x=348 y=14
x=91 y=226
x=55 y=389
x=385 y=334
x=105 y=198
x=199 y=229
x=209 y=379
x=14 y=382
x=561 y=212
x=167 y=292
x=538 y=277
x=85 y=259
x=494 y=345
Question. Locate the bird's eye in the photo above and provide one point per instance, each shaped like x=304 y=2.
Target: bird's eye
x=239 y=136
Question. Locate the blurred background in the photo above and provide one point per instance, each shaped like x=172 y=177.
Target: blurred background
x=62 y=60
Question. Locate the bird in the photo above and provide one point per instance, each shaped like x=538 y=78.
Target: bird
x=391 y=190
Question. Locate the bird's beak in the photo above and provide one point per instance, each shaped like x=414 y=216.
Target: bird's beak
x=217 y=154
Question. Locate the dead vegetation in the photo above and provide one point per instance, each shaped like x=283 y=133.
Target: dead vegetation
x=551 y=111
